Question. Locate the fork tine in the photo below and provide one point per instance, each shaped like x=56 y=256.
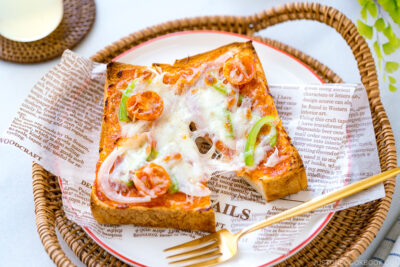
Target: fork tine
x=198 y=257
x=195 y=242
x=205 y=263
x=213 y=245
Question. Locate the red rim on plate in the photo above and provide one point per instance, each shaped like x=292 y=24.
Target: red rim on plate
x=292 y=251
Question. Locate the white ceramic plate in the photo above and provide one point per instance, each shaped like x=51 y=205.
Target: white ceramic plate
x=279 y=68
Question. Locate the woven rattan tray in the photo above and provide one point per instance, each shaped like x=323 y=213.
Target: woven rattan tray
x=349 y=232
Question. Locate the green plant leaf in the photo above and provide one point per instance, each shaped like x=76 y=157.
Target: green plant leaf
x=363 y=13
x=363 y=2
x=392 y=79
x=389 y=48
x=387 y=4
x=388 y=32
x=393 y=8
x=364 y=29
x=391 y=66
x=373 y=10
x=395 y=15
x=377 y=50
x=392 y=88
x=379 y=24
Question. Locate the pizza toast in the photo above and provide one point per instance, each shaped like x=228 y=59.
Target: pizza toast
x=168 y=128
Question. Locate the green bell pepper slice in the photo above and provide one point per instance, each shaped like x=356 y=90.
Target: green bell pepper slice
x=252 y=138
x=240 y=100
x=129 y=183
x=220 y=88
x=152 y=155
x=173 y=188
x=123 y=113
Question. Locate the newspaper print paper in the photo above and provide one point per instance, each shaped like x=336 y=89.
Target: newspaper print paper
x=59 y=124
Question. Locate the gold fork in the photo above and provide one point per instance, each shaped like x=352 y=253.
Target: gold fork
x=222 y=246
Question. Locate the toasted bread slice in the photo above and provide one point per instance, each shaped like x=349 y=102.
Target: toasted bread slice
x=158 y=213
x=218 y=96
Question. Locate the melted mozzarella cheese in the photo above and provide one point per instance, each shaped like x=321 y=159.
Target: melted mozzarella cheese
x=129 y=129
x=261 y=149
x=133 y=159
x=104 y=175
x=242 y=125
x=207 y=108
x=273 y=159
x=212 y=108
x=173 y=136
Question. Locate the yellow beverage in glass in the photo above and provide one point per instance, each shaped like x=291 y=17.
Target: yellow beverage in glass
x=29 y=20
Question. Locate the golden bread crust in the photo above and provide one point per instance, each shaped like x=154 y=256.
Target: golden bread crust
x=201 y=220
x=271 y=187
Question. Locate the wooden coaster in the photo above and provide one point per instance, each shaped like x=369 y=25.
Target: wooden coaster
x=77 y=20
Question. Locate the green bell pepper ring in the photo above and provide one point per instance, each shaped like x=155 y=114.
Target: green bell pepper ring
x=240 y=100
x=220 y=88
x=129 y=183
x=173 y=188
x=152 y=155
x=252 y=138
x=123 y=113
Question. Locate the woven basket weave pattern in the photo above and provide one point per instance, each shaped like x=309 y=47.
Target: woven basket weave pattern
x=348 y=233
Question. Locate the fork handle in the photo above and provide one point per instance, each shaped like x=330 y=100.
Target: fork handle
x=321 y=201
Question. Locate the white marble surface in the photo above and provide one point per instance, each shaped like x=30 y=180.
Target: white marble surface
x=20 y=244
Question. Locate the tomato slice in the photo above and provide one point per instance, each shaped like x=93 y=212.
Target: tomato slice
x=239 y=70
x=152 y=180
x=146 y=106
